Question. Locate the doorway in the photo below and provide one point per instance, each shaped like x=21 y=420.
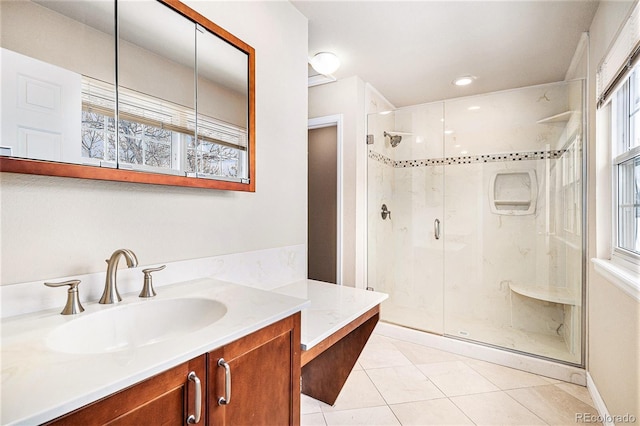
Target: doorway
x=324 y=200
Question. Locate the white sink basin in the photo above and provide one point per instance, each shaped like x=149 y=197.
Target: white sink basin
x=130 y=326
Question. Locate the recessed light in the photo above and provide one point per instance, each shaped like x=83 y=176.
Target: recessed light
x=465 y=80
x=448 y=132
x=464 y=152
x=457 y=146
x=473 y=108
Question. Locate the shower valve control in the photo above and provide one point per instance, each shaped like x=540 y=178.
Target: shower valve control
x=385 y=212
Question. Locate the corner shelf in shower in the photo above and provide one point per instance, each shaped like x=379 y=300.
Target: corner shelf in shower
x=563 y=117
x=560 y=295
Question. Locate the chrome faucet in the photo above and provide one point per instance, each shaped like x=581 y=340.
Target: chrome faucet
x=110 y=294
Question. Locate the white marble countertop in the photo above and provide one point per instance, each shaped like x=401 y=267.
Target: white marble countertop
x=331 y=308
x=39 y=384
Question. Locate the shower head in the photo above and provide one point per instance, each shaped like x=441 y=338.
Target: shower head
x=394 y=140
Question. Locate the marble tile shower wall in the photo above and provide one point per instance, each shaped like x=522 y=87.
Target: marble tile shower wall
x=490 y=251
x=483 y=252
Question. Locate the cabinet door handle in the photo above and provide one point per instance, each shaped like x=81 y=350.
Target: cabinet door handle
x=436 y=229
x=195 y=418
x=226 y=399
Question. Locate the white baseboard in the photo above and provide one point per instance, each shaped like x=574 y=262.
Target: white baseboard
x=529 y=364
x=599 y=402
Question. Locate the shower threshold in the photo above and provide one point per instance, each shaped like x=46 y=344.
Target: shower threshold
x=559 y=370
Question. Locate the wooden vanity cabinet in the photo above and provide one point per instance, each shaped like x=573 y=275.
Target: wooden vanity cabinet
x=265 y=378
x=265 y=387
x=167 y=398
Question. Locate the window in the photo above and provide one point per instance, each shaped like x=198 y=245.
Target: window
x=156 y=135
x=625 y=107
x=572 y=189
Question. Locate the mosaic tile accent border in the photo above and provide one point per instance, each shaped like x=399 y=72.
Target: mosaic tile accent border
x=381 y=158
x=472 y=159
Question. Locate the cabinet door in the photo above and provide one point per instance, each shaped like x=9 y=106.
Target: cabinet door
x=165 y=399
x=265 y=378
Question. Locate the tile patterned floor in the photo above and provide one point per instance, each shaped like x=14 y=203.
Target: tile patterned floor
x=402 y=383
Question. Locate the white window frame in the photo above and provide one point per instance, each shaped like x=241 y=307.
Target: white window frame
x=626 y=256
x=621 y=151
x=618 y=266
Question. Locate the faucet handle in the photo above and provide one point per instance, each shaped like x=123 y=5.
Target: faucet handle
x=147 y=289
x=73 y=305
x=150 y=270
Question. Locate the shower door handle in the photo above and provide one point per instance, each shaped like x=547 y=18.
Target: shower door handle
x=436 y=229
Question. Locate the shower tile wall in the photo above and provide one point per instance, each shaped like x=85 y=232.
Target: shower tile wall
x=482 y=252
x=486 y=252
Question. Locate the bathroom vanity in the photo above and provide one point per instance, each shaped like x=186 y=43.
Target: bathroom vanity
x=139 y=360
x=266 y=375
x=42 y=380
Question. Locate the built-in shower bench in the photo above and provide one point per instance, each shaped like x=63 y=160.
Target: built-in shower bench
x=335 y=328
x=563 y=296
x=553 y=294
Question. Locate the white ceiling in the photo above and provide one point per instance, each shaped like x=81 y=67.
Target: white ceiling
x=411 y=51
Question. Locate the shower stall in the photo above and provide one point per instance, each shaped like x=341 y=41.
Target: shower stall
x=475 y=218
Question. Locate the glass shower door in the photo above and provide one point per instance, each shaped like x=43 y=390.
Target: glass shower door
x=405 y=247
x=513 y=245
x=475 y=218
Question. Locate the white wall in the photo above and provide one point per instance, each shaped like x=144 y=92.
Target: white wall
x=353 y=99
x=54 y=227
x=613 y=316
x=346 y=97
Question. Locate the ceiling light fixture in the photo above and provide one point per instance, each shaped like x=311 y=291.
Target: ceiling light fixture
x=325 y=62
x=473 y=108
x=465 y=80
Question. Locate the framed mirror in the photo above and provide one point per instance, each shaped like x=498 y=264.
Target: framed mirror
x=170 y=100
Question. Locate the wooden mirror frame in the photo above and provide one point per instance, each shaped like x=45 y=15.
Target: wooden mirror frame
x=51 y=168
